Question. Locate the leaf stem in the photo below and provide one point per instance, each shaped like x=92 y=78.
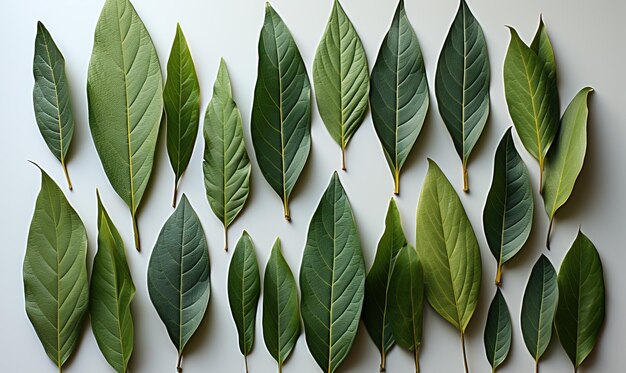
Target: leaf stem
x=417 y=360
x=343 y=158
x=499 y=275
x=245 y=361
x=536 y=366
x=464 y=352
x=465 y=178
x=382 y=360
x=179 y=364
x=396 y=181
x=549 y=235
x=175 y=193
x=225 y=238
x=286 y=210
x=67 y=175
x=135 y=231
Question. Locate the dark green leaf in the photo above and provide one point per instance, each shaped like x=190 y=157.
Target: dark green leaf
x=542 y=46
x=498 y=331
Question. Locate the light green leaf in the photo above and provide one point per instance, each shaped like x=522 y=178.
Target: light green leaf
x=498 y=331
x=281 y=111
x=399 y=92
x=125 y=94
x=341 y=78
x=112 y=291
x=226 y=164
x=56 y=286
x=332 y=279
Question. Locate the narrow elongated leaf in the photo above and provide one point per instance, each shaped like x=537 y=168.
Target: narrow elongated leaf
x=462 y=84
x=377 y=283
x=580 y=313
x=332 y=279
x=407 y=303
x=508 y=213
x=244 y=289
x=125 y=94
x=226 y=164
x=538 y=307
x=112 y=291
x=51 y=97
x=399 y=92
x=281 y=314
x=498 y=331
x=56 y=286
x=341 y=78
x=181 y=99
x=179 y=275
x=281 y=111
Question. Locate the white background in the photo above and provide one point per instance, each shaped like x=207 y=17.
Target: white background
x=589 y=46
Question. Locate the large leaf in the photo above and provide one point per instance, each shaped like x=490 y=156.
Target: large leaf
x=399 y=92
x=281 y=111
x=125 y=94
x=179 y=275
x=56 y=286
x=498 y=331
x=112 y=291
x=580 y=313
x=181 y=99
x=281 y=314
x=341 y=78
x=508 y=213
x=377 y=283
x=226 y=164
x=538 y=307
x=462 y=83
x=332 y=279
x=244 y=289
x=51 y=97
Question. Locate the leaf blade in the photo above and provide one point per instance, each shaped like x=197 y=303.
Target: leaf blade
x=498 y=331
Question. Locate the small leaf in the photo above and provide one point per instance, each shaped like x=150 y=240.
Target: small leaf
x=399 y=93
x=341 y=78
x=51 y=97
x=332 y=279
x=498 y=331
x=112 y=291
x=281 y=314
x=56 y=286
x=226 y=164
x=179 y=275
x=580 y=313
x=181 y=98
x=281 y=111
x=508 y=213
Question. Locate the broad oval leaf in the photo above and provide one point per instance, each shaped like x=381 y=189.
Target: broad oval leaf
x=181 y=100
x=56 y=286
x=538 y=307
x=112 y=291
x=281 y=111
x=399 y=93
x=125 y=95
x=498 y=331
x=462 y=84
x=341 y=78
x=179 y=281
x=508 y=213
x=281 y=312
x=580 y=313
x=332 y=279
x=226 y=164
x=51 y=97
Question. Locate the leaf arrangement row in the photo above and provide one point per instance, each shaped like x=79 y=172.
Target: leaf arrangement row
x=127 y=98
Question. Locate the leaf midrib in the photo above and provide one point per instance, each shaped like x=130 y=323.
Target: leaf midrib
x=533 y=104
x=280 y=111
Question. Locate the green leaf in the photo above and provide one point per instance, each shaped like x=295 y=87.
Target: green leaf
x=281 y=111
x=51 y=97
x=56 y=286
x=112 y=291
x=508 y=213
x=580 y=313
x=377 y=283
x=179 y=275
x=281 y=314
x=226 y=164
x=498 y=331
x=244 y=289
x=407 y=302
x=399 y=93
x=542 y=46
x=125 y=95
x=462 y=84
x=332 y=279
x=341 y=78
x=538 y=307
x=181 y=99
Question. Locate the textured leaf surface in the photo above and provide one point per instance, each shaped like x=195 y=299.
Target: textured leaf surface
x=542 y=46
x=332 y=279
x=498 y=331
x=399 y=92
x=56 y=286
